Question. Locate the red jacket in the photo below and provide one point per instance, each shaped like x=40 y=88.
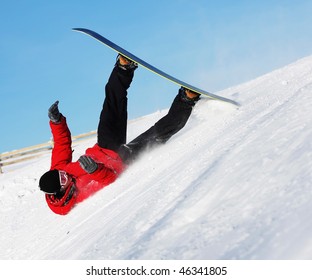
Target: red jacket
x=109 y=163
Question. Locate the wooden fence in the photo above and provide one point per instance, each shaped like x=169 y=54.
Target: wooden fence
x=31 y=152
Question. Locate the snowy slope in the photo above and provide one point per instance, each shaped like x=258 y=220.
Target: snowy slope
x=233 y=184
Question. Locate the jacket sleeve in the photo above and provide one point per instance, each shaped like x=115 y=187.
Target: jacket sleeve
x=62 y=151
x=62 y=155
x=102 y=173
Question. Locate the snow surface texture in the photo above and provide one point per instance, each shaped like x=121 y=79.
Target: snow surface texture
x=235 y=183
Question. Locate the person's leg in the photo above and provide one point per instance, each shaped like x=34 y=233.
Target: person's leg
x=165 y=128
x=112 y=126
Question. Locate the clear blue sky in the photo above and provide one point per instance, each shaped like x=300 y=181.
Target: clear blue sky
x=210 y=44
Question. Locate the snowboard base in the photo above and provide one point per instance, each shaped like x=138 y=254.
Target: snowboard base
x=150 y=67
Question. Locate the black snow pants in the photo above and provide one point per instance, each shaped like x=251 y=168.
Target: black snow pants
x=112 y=127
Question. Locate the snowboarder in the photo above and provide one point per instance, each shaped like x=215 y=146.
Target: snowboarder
x=68 y=183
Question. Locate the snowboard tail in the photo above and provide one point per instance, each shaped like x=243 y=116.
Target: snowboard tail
x=150 y=67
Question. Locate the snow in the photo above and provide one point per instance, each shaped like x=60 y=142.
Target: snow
x=235 y=183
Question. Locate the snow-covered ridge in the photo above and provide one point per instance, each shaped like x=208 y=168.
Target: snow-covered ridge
x=235 y=183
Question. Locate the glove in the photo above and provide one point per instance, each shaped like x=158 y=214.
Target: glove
x=87 y=164
x=54 y=113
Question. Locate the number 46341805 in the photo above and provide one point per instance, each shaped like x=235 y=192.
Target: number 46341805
x=203 y=270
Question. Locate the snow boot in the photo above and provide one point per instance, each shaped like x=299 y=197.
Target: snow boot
x=189 y=96
x=125 y=63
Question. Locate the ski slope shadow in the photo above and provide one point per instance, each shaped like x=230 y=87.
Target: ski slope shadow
x=192 y=194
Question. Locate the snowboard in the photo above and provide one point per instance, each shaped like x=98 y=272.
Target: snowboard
x=150 y=67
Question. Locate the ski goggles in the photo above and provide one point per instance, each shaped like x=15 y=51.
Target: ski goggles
x=65 y=179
